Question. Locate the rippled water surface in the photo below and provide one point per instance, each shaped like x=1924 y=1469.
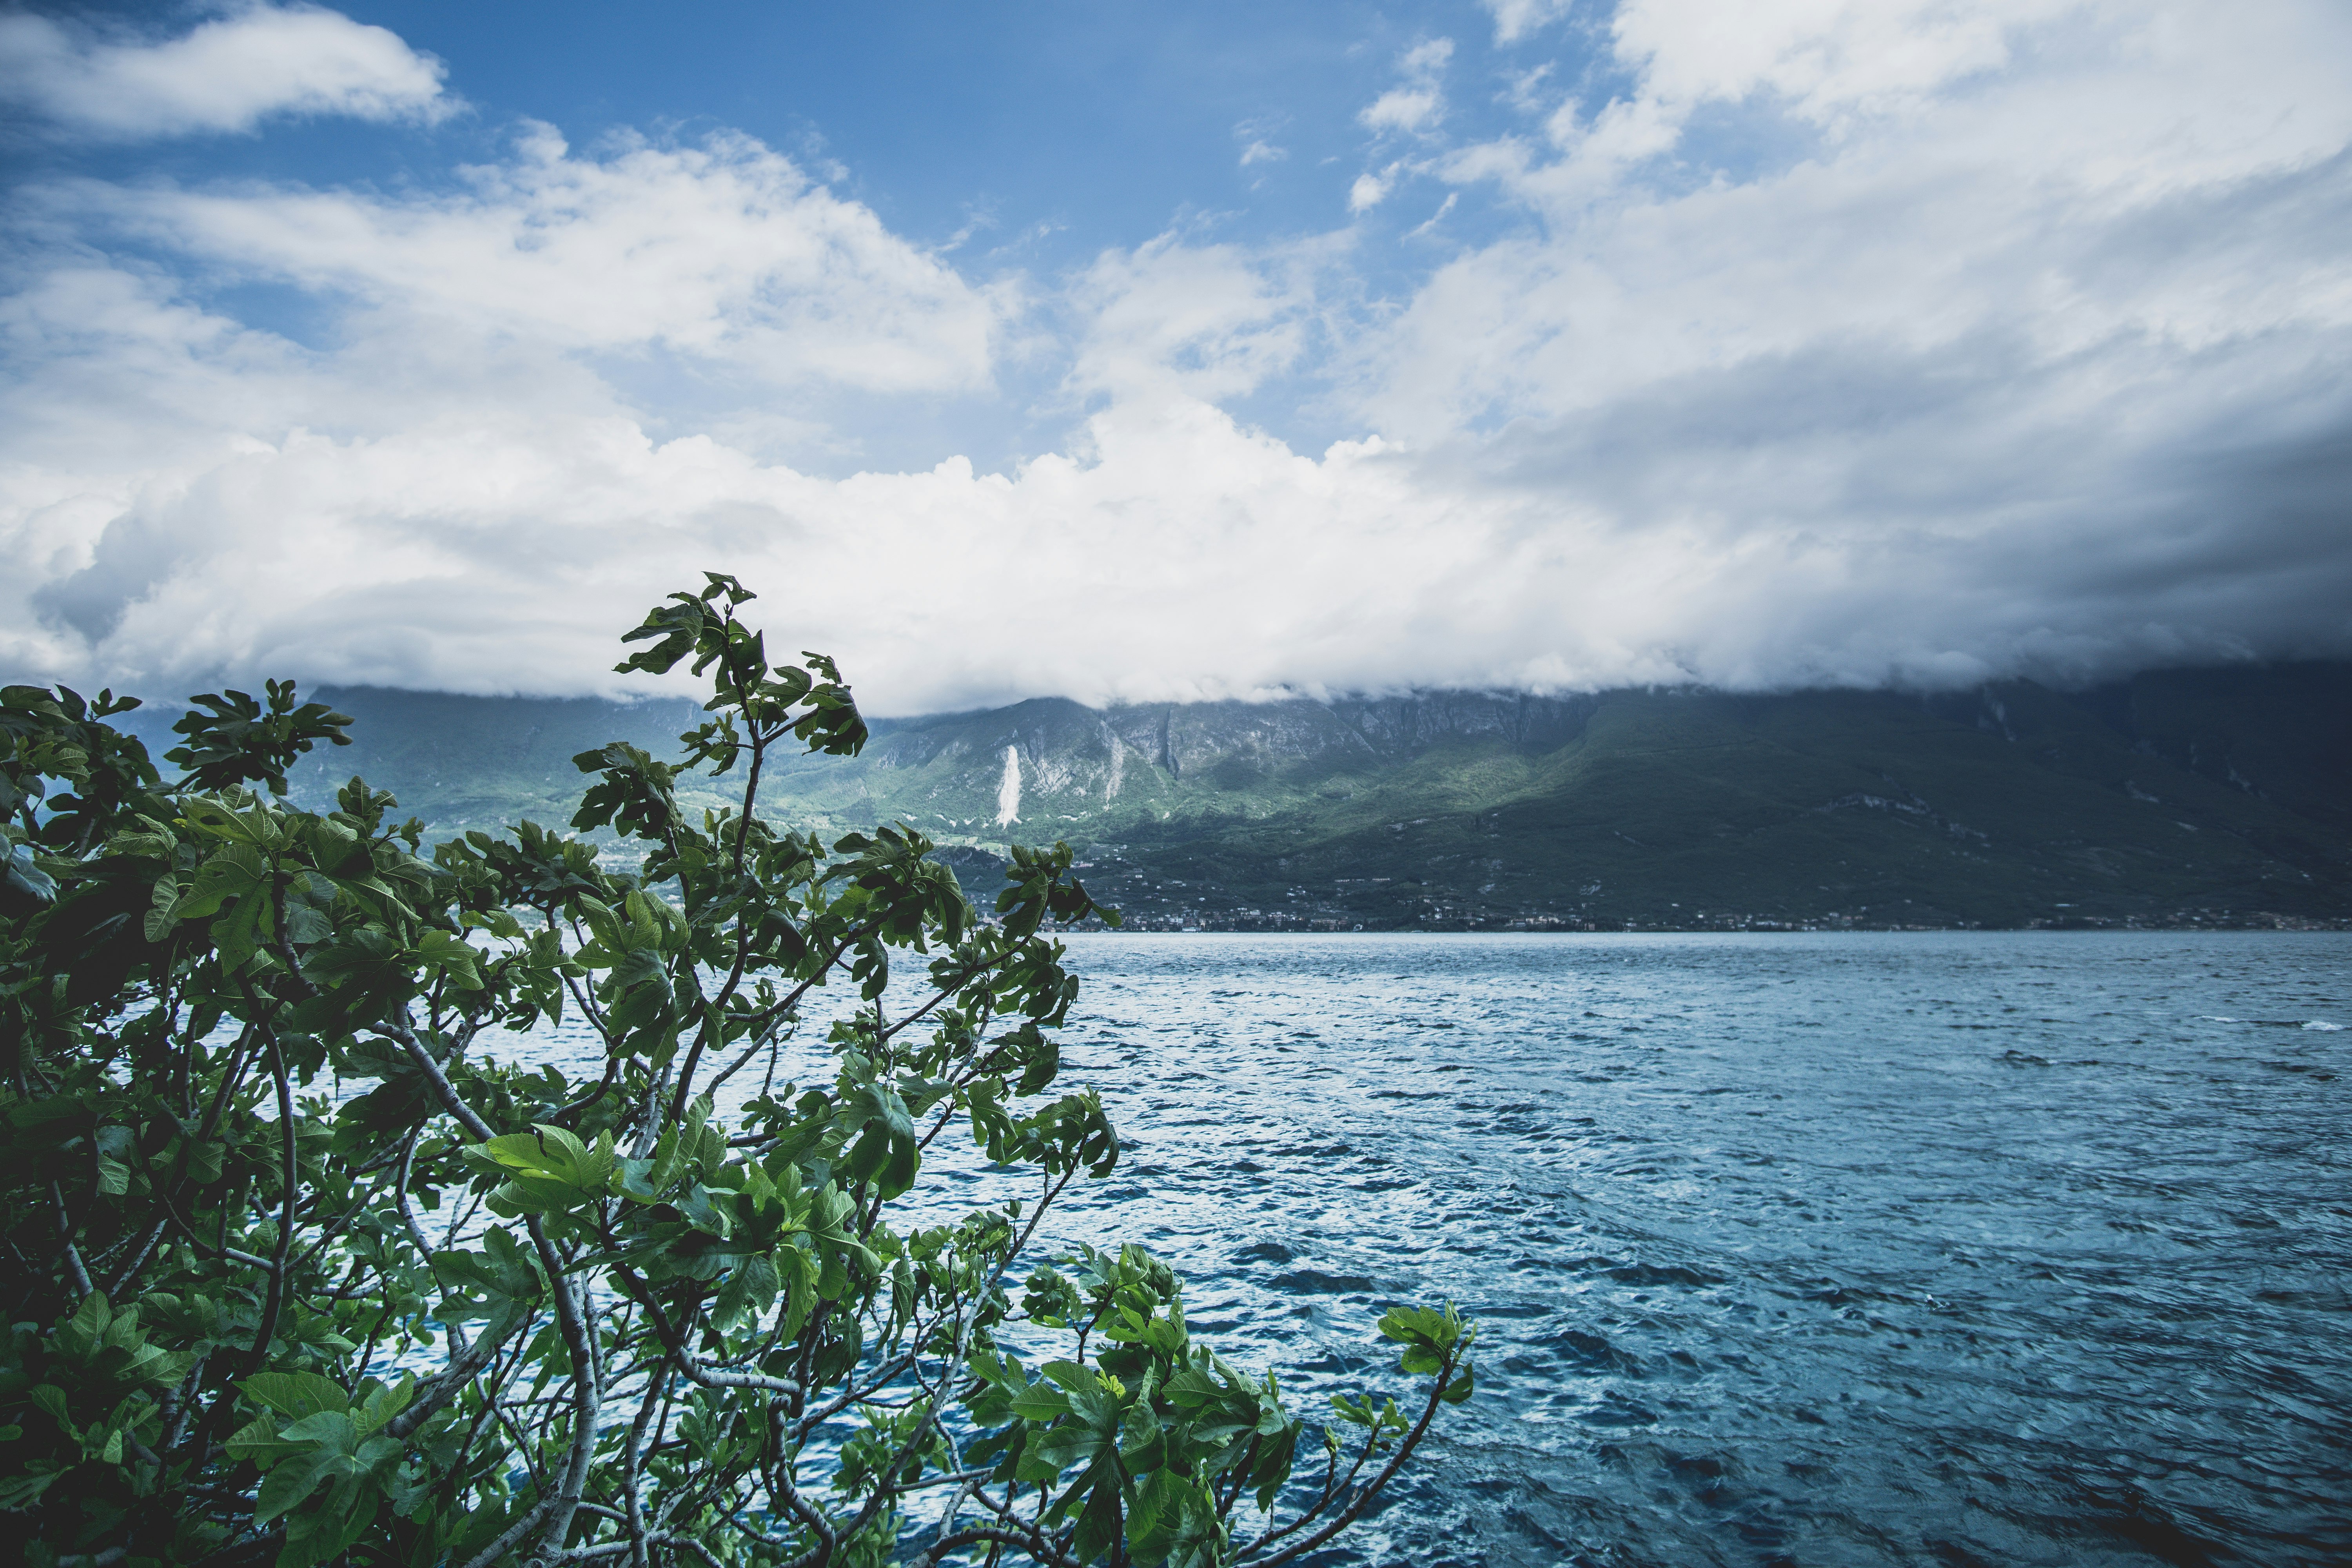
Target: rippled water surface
x=1919 y=1249
x=2012 y=1248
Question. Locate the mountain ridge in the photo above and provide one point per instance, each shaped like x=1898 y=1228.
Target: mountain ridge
x=2181 y=797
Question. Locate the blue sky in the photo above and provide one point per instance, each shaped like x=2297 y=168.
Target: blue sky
x=1134 y=353
x=1101 y=125
x=1014 y=140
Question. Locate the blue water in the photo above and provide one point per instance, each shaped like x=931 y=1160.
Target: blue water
x=1903 y=1248
x=1946 y=1249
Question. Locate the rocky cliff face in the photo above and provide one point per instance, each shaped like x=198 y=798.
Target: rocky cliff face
x=1100 y=766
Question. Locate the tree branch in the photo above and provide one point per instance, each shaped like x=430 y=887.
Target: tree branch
x=1363 y=1499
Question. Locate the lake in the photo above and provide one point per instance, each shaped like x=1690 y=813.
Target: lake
x=1874 y=1248
x=1842 y=1248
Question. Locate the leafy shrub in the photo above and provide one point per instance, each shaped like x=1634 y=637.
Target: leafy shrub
x=488 y=1313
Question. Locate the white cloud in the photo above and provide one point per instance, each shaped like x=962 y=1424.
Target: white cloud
x=1995 y=207
x=1416 y=107
x=1427 y=58
x=1827 y=57
x=1516 y=19
x=1187 y=558
x=1401 y=109
x=1257 y=138
x=2028 y=350
x=494 y=360
x=1419 y=102
x=224 y=75
x=1205 y=322
x=1524 y=90
x=725 y=252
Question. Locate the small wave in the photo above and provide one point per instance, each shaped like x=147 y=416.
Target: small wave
x=1590 y=1353
x=1615 y=1410
x=2324 y=1025
x=1315 y=1282
x=1265 y=1252
x=1647 y=1274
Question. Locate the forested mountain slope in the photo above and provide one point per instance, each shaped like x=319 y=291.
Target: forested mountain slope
x=2188 y=795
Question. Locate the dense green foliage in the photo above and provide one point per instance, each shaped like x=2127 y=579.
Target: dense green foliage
x=487 y=1313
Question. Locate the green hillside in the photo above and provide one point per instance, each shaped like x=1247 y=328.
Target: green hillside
x=1701 y=810
x=2212 y=796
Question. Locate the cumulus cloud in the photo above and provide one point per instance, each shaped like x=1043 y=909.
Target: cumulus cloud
x=1202 y=321
x=725 y=252
x=2060 y=209
x=1370 y=189
x=2028 y=351
x=1515 y=19
x=1401 y=109
x=227 y=74
x=1419 y=102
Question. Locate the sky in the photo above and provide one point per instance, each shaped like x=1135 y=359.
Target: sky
x=1135 y=353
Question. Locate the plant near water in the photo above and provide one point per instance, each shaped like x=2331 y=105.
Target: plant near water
x=487 y=1312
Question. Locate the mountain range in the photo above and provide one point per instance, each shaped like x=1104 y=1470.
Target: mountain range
x=2181 y=797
